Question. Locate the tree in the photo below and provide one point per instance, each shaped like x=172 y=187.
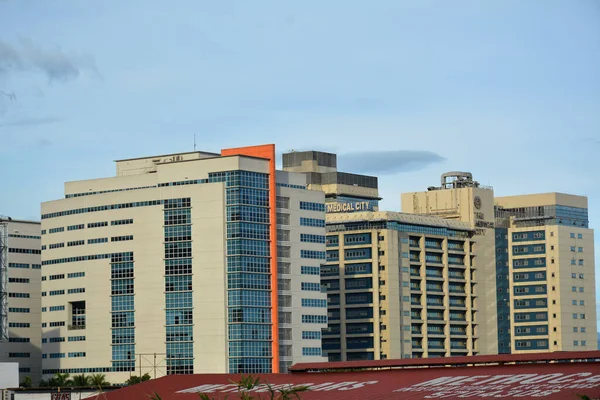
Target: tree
x=248 y=383
x=81 y=380
x=60 y=380
x=133 y=380
x=27 y=382
x=99 y=380
x=43 y=383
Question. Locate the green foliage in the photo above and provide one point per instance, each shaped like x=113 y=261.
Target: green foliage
x=81 y=380
x=133 y=380
x=154 y=396
x=43 y=383
x=60 y=380
x=27 y=382
x=248 y=383
x=99 y=380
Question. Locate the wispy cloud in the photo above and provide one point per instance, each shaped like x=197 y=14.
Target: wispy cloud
x=387 y=162
x=29 y=122
x=57 y=65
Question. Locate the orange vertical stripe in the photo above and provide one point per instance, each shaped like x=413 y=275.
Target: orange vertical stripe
x=268 y=151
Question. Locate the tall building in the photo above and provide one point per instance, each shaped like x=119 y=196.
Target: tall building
x=173 y=266
x=535 y=259
x=344 y=192
x=551 y=275
x=460 y=198
x=398 y=285
x=23 y=302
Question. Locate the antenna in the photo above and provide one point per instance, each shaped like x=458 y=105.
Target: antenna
x=194 y=142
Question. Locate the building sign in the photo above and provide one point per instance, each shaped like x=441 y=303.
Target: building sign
x=348 y=207
x=504 y=386
x=60 y=396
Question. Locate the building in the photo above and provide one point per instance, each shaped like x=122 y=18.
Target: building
x=460 y=198
x=551 y=376
x=184 y=263
x=535 y=259
x=344 y=192
x=550 y=272
x=23 y=302
x=398 y=285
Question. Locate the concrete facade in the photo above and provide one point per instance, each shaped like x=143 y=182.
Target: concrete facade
x=472 y=203
x=171 y=267
x=24 y=301
x=399 y=286
x=536 y=253
x=551 y=272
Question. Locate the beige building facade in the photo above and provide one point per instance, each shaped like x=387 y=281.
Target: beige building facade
x=172 y=266
x=537 y=258
x=551 y=272
x=399 y=286
x=459 y=198
x=23 y=301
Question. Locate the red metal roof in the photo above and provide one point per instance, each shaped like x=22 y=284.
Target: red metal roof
x=449 y=361
x=538 y=379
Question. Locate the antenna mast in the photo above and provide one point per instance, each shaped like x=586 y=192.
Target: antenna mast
x=194 y=142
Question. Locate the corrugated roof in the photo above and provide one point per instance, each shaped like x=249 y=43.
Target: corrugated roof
x=546 y=380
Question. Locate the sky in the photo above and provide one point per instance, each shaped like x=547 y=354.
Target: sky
x=406 y=90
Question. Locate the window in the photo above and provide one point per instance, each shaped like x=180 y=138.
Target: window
x=18 y=280
x=311 y=286
x=319 y=223
x=311 y=351
x=75 y=227
x=76 y=243
x=583 y=343
x=319 y=303
x=76 y=290
x=309 y=238
x=573 y=288
x=581 y=290
x=582 y=316
x=122 y=222
x=575 y=329
x=573 y=275
x=572 y=248
x=572 y=235
x=19 y=355
x=97 y=240
x=97 y=224
x=18 y=265
x=314 y=254
x=310 y=335
x=56 y=245
x=581 y=302
x=574 y=316
x=580 y=249
x=575 y=343
x=580 y=276
x=305 y=205
x=76 y=274
x=314 y=319
x=121 y=238
x=579 y=236
x=56 y=230
x=19 y=295
x=580 y=262
x=310 y=270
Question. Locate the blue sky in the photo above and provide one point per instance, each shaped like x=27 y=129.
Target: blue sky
x=509 y=90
